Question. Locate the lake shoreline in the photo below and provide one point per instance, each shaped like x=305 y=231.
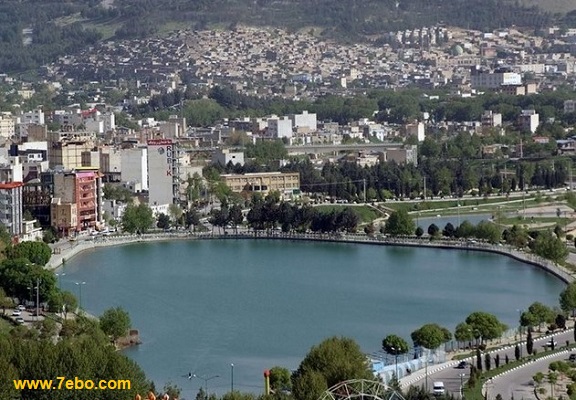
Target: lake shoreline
x=75 y=248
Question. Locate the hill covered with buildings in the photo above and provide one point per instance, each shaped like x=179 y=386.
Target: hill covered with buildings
x=34 y=32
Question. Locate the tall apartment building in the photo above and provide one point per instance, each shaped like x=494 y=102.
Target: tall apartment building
x=491 y=119
x=33 y=117
x=82 y=187
x=529 y=120
x=65 y=148
x=305 y=120
x=11 y=207
x=163 y=174
x=279 y=128
x=134 y=166
x=7 y=125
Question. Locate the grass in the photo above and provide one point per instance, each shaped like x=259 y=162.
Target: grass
x=366 y=214
x=5 y=326
x=533 y=220
x=481 y=203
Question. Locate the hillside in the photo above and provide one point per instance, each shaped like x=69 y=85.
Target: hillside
x=34 y=32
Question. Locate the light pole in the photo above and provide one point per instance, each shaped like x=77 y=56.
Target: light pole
x=206 y=381
x=462 y=385
x=80 y=284
x=395 y=361
x=231 y=377
x=520 y=330
x=37 y=297
x=59 y=277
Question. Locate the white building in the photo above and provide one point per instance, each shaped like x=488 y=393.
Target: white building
x=7 y=125
x=306 y=120
x=134 y=166
x=163 y=185
x=493 y=80
x=279 y=128
x=33 y=117
x=416 y=129
x=224 y=156
x=529 y=120
x=491 y=119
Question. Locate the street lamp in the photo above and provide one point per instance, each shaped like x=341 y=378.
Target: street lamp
x=37 y=297
x=520 y=329
x=80 y=284
x=462 y=385
x=396 y=360
x=205 y=380
x=231 y=377
x=59 y=277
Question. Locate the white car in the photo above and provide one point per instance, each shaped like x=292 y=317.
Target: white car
x=16 y=313
x=21 y=307
x=20 y=320
x=551 y=343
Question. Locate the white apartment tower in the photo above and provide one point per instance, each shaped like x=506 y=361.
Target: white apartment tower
x=163 y=174
x=134 y=166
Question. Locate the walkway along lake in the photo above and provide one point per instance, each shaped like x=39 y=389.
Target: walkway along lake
x=201 y=305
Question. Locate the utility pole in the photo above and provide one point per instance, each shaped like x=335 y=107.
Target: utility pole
x=364 y=183
x=424 y=188
x=37 y=297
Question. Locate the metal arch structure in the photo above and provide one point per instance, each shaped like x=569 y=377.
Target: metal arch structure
x=361 y=389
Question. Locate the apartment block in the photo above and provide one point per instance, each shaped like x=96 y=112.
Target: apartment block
x=11 y=207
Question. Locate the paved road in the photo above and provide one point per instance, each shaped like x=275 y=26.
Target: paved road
x=450 y=375
x=518 y=383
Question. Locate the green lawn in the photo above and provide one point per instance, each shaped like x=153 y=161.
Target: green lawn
x=465 y=204
x=533 y=221
x=366 y=213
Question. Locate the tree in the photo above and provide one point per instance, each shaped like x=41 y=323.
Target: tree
x=400 y=223
x=478 y=359
x=529 y=342
x=35 y=252
x=485 y=326
x=115 y=322
x=137 y=219
x=497 y=361
x=394 y=345
x=541 y=313
x=334 y=360
x=463 y=332
x=280 y=379
x=487 y=361
x=568 y=298
x=433 y=230
x=517 y=352
x=419 y=232
x=449 y=230
x=550 y=246
x=163 y=221
x=430 y=336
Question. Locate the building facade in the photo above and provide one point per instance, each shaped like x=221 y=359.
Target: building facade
x=11 y=207
x=163 y=173
x=287 y=184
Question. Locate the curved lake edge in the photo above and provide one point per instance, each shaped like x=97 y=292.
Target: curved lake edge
x=558 y=271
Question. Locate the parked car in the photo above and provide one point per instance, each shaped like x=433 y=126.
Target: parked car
x=19 y=320
x=438 y=388
x=16 y=313
x=21 y=307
